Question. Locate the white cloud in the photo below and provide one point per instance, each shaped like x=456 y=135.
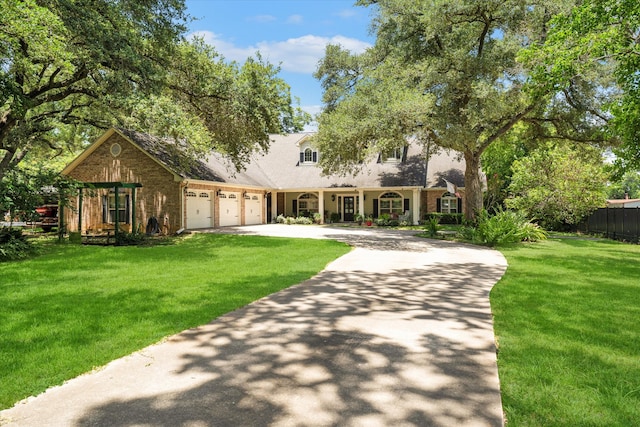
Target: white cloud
x=262 y=18
x=295 y=19
x=298 y=55
x=347 y=13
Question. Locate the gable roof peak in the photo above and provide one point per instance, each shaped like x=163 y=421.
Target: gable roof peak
x=304 y=138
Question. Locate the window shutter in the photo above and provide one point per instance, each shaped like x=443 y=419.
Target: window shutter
x=459 y=205
x=302 y=157
x=375 y=208
x=315 y=157
x=294 y=204
x=379 y=158
x=406 y=205
x=438 y=205
x=127 y=209
x=105 y=209
x=404 y=153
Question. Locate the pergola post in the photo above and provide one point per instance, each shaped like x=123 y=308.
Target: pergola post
x=133 y=210
x=117 y=221
x=80 y=210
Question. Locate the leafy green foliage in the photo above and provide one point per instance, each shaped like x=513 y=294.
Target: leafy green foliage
x=70 y=69
x=23 y=189
x=432 y=226
x=66 y=63
x=386 y=220
x=497 y=161
x=504 y=227
x=445 y=218
x=558 y=185
x=13 y=244
x=135 y=238
x=211 y=104
x=628 y=185
x=598 y=43
x=442 y=71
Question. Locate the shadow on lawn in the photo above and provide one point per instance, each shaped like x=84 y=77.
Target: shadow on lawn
x=410 y=347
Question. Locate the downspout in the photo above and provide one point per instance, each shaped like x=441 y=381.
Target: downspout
x=183 y=190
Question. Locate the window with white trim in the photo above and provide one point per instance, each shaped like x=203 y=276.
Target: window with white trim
x=308 y=203
x=449 y=203
x=308 y=156
x=109 y=208
x=391 y=203
x=393 y=156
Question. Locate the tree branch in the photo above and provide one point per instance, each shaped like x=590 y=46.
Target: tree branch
x=77 y=76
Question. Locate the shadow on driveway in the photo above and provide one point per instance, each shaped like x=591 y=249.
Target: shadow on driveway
x=392 y=334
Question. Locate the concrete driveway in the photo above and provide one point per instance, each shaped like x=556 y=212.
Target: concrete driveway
x=398 y=332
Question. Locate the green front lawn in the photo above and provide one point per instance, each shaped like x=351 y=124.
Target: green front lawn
x=567 y=314
x=567 y=322
x=78 y=307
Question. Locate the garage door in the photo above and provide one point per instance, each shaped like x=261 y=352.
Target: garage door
x=252 y=209
x=198 y=209
x=229 y=209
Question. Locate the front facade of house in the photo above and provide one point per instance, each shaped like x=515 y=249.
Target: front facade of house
x=133 y=178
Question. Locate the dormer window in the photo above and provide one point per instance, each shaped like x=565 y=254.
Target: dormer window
x=395 y=155
x=308 y=156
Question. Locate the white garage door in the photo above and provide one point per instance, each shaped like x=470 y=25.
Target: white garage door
x=252 y=209
x=229 y=209
x=198 y=209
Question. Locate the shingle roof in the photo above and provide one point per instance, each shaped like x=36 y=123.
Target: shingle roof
x=280 y=167
x=167 y=153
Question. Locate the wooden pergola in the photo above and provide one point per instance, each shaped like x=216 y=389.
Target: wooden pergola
x=116 y=187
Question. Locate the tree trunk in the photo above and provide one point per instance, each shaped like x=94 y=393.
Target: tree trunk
x=472 y=185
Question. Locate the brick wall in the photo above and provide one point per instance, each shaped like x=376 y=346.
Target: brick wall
x=429 y=199
x=159 y=196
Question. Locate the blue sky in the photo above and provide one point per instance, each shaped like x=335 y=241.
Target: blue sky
x=292 y=33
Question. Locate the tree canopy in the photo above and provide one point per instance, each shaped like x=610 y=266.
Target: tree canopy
x=446 y=71
x=597 y=34
x=558 y=184
x=81 y=66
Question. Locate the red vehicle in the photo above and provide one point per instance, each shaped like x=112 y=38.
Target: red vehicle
x=48 y=216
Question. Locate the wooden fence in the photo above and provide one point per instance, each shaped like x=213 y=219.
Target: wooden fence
x=615 y=223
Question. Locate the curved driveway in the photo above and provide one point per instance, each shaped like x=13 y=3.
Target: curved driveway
x=398 y=332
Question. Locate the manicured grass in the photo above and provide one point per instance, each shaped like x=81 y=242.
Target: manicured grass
x=567 y=322
x=76 y=307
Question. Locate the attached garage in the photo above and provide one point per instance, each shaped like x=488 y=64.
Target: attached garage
x=229 y=204
x=199 y=208
x=253 y=208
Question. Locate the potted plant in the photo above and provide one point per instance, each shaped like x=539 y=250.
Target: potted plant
x=358 y=218
x=369 y=220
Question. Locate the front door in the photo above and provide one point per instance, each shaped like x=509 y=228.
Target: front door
x=349 y=208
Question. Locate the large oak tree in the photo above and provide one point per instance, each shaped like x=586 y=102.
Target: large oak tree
x=445 y=72
x=84 y=65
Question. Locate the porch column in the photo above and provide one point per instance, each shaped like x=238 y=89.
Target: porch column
x=321 y=205
x=416 y=206
x=361 y=202
x=274 y=205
